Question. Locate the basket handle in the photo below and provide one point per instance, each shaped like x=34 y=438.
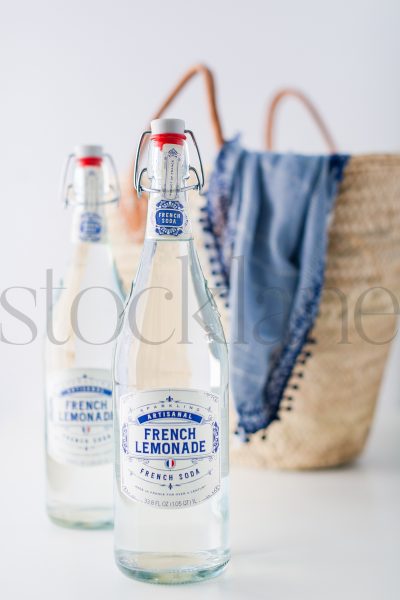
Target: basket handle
x=211 y=98
x=133 y=210
x=311 y=108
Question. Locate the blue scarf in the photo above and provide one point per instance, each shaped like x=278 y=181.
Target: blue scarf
x=268 y=217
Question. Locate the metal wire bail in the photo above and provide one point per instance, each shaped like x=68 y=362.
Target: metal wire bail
x=137 y=178
x=112 y=192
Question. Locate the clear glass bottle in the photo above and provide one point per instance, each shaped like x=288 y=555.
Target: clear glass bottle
x=81 y=332
x=171 y=393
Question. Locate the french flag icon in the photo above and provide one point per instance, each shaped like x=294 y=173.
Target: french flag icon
x=170 y=463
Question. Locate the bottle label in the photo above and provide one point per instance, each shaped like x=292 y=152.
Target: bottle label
x=88 y=227
x=169 y=218
x=80 y=417
x=170 y=455
x=91 y=227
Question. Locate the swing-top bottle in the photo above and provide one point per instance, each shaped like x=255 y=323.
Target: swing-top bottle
x=171 y=390
x=81 y=332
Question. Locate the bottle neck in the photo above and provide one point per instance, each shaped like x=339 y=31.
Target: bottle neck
x=89 y=222
x=167 y=214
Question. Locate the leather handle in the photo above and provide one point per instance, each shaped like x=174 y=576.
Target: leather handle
x=211 y=98
x=135 y=210
x=306 y=102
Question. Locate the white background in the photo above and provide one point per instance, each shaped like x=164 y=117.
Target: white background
x=95 y=71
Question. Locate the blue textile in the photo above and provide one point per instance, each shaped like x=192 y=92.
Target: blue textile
x=268 y=215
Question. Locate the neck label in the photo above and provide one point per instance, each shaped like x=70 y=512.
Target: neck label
x=169 y=218
x=88 y=226
x=91 y=227
x=173 y=167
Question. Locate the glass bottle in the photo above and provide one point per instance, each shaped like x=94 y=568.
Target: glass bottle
x=81 y=331
x=171 y=392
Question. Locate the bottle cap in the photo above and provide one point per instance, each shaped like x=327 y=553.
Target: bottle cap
x=88 y=151
x=168 y=126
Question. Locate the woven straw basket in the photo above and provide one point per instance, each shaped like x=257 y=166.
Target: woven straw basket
x=328 y=407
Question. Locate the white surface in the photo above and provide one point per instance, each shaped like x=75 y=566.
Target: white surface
x=313 y=536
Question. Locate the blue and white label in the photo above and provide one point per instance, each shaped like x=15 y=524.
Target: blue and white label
x=170 y=455
x=90 y=227
x=169 y=218
x=80 y=417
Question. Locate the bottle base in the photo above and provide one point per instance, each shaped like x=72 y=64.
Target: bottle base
x=163 y=568
x=72 y=518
